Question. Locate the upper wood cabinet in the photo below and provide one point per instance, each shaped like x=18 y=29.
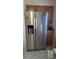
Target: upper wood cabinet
x=35 y=8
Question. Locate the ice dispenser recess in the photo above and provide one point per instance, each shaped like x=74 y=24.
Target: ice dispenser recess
x=30 y=29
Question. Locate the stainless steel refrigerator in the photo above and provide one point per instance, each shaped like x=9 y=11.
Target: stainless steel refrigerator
x=36 y=30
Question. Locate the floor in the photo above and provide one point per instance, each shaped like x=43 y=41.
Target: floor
x=41 y=54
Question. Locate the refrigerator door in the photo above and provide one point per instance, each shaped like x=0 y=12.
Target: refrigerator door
x=41 y=29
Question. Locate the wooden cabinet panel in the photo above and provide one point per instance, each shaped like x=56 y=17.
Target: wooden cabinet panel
x=49 y=38
x=48 y=9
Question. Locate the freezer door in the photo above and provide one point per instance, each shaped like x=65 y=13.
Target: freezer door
x=41 y=29
x=30 y=33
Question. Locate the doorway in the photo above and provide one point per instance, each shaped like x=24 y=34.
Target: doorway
x=49 y=10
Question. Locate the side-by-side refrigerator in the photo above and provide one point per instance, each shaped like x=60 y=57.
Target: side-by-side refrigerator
x=36 y=30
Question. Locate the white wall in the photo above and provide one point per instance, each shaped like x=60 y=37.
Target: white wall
x=36 y=2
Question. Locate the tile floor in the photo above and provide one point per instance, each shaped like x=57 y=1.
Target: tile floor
x=35 y=55
x=41 y=54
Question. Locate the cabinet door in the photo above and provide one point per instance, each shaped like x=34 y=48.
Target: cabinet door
x=49 y=38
